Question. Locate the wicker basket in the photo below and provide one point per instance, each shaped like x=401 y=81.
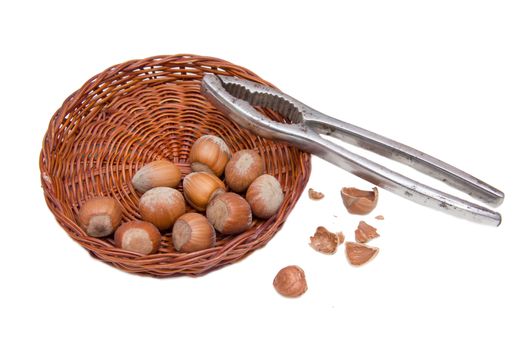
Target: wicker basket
x=137 y=112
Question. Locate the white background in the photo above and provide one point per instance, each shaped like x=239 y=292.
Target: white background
x=446 y=77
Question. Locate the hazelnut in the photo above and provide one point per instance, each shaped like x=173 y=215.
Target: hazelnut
x=359 y=253
x=209 y=154
x=340 y=238
x=324 y=241
x=290 y=281
x=229 y=213
x=313 y=194
x=159 y=173
x=244 y=167
x=192 y=232
x=138 y=236
x=358 y=201
x=365 y=232
x=162 y=206
x=199 y=188
x=265 y=196
x=100 y=216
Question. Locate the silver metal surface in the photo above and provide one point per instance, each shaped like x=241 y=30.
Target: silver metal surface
x=236 y=97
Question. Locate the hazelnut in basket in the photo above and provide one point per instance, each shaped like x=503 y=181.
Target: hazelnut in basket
x=159 y=173
x=209 y=154
x=100 y=216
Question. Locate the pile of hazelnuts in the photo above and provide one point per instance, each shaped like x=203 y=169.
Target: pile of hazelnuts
x=163 y=208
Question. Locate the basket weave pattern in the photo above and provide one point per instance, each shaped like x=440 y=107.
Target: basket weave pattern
x=140 y=111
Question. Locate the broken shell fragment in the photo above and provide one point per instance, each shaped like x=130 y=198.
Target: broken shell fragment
x=324 y=241
x=358 y=201
x=313 y=194
x=359 y=253
x=340 y=238
x=365 y=232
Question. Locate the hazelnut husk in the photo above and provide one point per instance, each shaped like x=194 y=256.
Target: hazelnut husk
x=324 y=241
x=159 y=173
x=359 y=202
x=290 y=281
x=229 y=213
x=358 y=253
x=209 y=154
x=365 y=232
x=315 y=195
x=244 y=167
x=100 y=216
x=138 y=236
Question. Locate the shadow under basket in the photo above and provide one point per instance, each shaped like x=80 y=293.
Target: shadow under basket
x=144 y=110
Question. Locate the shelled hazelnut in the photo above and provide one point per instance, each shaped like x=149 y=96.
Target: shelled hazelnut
x=290 y=281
